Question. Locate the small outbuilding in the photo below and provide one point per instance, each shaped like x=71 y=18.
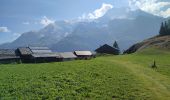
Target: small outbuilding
x=67 y=56
x=107 y=49
x=83 y=54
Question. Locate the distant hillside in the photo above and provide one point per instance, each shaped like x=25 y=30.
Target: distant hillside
x=127 y=31
x=126 y=27
x=162 y=42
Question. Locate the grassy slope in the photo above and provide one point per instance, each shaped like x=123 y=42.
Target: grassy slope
x=120 y=77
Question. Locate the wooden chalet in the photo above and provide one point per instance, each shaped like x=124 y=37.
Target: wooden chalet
x=9 y=56
x=67 y=56
x=107 y=49
x=41 y=55
x=83 y=54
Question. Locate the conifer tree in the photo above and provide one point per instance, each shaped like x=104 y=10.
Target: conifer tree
x=162 y=30
x=165 y=28
x=168 y=27
x=115 y=45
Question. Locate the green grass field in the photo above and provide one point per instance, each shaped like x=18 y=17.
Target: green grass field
x=105 y=77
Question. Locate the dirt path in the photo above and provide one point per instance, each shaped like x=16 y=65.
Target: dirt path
x=157 y=83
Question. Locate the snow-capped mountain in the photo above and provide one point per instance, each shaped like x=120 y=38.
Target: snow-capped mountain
x=121 y=24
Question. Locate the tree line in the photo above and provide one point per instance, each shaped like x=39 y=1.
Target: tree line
x=165 y=28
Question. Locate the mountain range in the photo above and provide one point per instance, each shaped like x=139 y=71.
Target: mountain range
x=121 y=24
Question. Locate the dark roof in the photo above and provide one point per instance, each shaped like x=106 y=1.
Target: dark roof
x=83 y=53
x=67 y=55
x=7 y=54
x=43 y=55
x=25 y=51
x=107 y=49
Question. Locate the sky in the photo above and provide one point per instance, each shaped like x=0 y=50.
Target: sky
x=19 y=16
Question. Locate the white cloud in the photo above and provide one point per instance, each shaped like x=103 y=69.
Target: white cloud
x=4 y=29
x=165 y=13
x=98 y=12
x=26 y=23
x=151 y=6
x=16 y=35
x=46 y=21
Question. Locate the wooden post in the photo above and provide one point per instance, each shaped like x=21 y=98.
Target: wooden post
x=154 y=64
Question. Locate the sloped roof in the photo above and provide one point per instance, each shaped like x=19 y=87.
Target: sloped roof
x=67 y=55
x=25 y=51
x=83 y=53
x=40 y=50
x=107 y=49
x=7 y=54
x=39 y=55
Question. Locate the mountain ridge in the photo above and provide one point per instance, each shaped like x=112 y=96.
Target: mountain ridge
x=161 y=42
x=65 y=36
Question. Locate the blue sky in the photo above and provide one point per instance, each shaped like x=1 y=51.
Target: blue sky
x=24 y=15
x=18 y=16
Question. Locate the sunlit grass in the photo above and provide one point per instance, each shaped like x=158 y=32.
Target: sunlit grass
x=107 y=77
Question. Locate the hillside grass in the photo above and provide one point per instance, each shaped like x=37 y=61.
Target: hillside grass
x=105 y=77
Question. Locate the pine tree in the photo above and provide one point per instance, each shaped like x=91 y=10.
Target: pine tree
x=169 y=23
x=115 y=45
x=162 y=30
x=166 y=28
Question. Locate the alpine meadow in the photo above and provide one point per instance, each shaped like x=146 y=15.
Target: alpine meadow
x=85 y=50
x=105 y=77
